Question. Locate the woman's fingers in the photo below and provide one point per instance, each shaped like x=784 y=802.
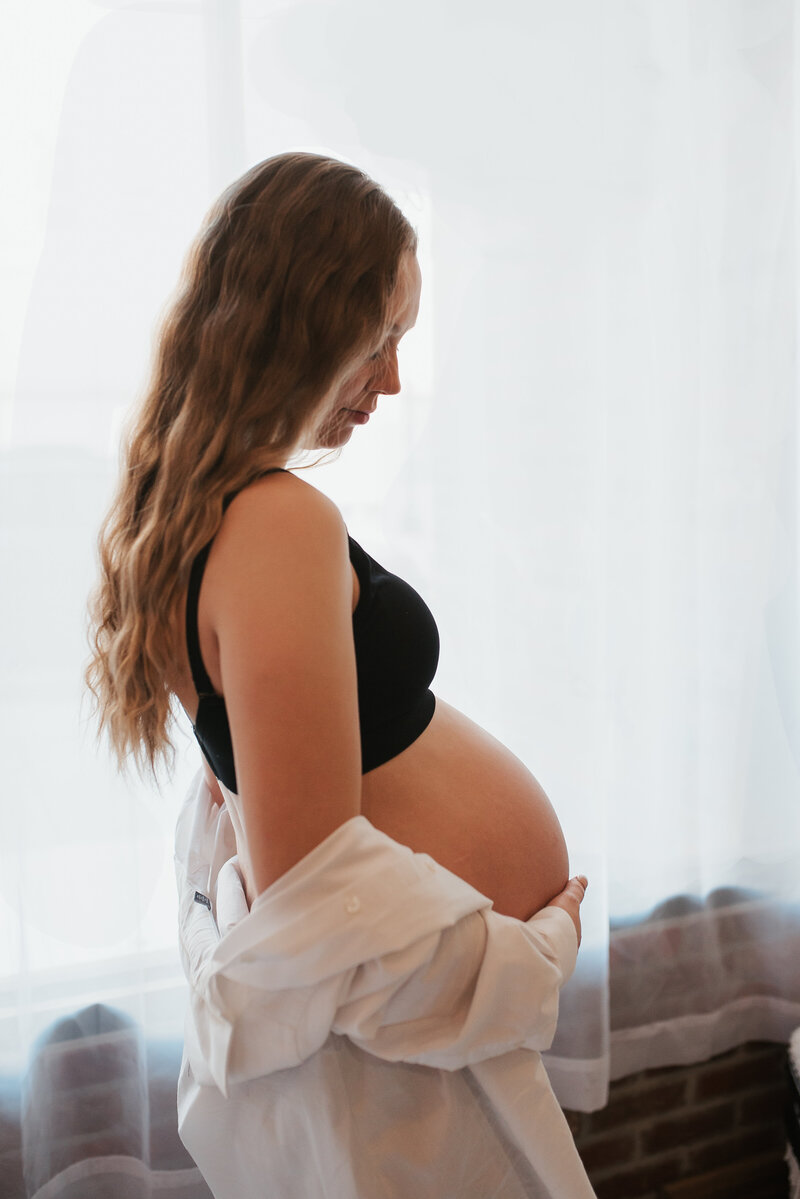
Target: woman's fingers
x=577 y=886
x=571 y=899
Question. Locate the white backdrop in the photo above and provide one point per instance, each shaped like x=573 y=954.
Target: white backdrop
x=591 y=474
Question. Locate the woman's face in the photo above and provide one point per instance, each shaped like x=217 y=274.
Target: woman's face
x=380 y=374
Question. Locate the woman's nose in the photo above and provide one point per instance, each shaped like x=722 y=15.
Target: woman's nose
x=388 y=375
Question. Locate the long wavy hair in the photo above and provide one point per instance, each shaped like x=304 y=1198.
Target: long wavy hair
x=283 y=293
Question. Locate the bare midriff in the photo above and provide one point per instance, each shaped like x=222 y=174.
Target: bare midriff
x=461 y=796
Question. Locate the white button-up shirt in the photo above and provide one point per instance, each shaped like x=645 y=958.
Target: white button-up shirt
x=369 y=1029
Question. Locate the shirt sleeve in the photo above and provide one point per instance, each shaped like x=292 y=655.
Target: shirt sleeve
x=369 y=940
x=481 y=987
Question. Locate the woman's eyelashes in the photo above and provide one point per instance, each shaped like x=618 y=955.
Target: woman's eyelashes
x=395 y=344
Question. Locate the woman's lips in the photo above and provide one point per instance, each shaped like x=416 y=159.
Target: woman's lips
x=359 y=417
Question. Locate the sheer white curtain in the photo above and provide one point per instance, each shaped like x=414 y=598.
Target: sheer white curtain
x=591 y=474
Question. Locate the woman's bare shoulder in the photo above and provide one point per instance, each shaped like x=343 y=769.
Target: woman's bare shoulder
x=283 y=498
x=275 y=517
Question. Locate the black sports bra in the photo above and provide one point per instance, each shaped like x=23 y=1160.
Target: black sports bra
x=397 y=652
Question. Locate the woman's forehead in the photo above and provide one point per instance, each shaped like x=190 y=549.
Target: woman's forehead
x=404 y=303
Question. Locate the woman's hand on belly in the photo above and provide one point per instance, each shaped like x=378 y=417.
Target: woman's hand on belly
x=571 y=899
x=461 y=796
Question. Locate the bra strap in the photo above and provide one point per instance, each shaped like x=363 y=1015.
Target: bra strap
x=202 y=682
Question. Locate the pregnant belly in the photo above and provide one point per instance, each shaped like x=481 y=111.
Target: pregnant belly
x=459 y=795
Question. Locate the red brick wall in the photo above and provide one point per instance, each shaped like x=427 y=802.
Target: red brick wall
x=708 y=1131
x=711 y=1129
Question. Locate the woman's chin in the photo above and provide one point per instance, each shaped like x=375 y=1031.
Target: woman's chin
x=333 y=436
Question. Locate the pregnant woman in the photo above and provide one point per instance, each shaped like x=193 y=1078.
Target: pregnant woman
x=376 y=917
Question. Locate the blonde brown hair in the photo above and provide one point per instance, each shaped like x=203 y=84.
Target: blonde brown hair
x=283 y=293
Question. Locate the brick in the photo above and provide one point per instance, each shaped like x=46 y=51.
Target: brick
x=664 y=987
x=77 y=1149
x=746 y=963
x=748 y=1074
x=764 y=1108
x=575 y=1121
x=635 y=1082
x=662 y=1072
x=641 y=1183
x=734 y=928
x=88 y=1062
x=692 y=1126
x=93 y=1110
x=167 y=1151
x=622 y=1111
x=9 y=1132
x=736 y=1148
x=11 y=1178
x=602 y=1154
x=757 y=1178
x=773 y=1049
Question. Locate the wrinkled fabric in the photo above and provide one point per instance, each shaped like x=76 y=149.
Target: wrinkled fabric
x=370 y=1027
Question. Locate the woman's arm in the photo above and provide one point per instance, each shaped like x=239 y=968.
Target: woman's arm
x=278 y=595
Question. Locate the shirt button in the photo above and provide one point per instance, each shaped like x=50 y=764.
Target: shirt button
x=353 y=905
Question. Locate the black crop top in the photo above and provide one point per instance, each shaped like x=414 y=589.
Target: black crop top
x=397 y=651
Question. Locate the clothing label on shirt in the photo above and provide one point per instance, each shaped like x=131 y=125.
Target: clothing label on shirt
x=206 y=902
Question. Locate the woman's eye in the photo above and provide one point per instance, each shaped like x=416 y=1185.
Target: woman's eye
x=380 y=353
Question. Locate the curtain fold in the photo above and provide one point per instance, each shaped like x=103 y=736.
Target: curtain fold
x=591 y=474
